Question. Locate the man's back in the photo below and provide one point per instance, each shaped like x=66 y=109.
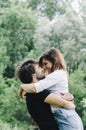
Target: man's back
x=41 y=111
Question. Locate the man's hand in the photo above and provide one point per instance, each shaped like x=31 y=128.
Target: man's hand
x=56 y=100
x=67 y=96
x=69 y=105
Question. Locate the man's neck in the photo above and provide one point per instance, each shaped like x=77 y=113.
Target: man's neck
x=36 y=80
x=41 y=78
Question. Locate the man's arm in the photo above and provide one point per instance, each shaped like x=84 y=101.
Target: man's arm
x=53 y=99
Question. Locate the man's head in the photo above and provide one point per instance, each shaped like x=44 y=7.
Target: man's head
x=27 y=69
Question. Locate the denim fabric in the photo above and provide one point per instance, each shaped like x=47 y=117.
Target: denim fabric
x=68 y=119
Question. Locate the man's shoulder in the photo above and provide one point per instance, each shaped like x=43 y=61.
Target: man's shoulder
x=38 y=96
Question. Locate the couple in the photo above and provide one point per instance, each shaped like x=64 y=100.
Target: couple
x=55 y=82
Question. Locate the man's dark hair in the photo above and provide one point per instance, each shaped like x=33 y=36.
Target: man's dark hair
x=25 y=71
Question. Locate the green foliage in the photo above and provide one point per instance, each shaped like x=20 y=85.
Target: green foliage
x=33 y=3
x=7 y=126
x=4 y=3
x=49 y=8
x=12 y=110
x=77 y=86
x=84 y=112
x=18 y=26
x=66 y=33
x=27 y=28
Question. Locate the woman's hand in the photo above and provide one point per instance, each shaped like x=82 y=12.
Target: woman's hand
x=67 y=96
x=22 y=93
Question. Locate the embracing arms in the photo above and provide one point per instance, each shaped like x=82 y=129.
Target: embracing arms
x=66 y=100
x=54 y=99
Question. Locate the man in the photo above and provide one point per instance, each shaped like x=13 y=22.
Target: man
x=37 y=105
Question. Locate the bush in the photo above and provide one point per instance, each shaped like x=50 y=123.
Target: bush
x=77 y=86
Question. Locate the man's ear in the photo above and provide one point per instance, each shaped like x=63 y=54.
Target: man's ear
x=34 y=77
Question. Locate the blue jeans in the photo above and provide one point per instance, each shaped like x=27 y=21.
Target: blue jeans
x=68 y=119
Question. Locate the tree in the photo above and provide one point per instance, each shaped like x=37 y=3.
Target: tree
x=77 y=81
x=66 y=32
x=18 y=27
x=49 y=8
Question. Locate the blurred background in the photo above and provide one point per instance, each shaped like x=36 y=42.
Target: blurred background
x=29 y=27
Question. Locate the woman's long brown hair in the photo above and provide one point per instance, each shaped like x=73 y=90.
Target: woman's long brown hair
x=55 y=57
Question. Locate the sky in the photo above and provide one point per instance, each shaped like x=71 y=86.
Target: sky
x=75 y=5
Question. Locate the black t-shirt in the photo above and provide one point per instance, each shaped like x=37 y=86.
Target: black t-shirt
x=41 y=111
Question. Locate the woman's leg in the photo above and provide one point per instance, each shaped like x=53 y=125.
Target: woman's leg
x=68 y=120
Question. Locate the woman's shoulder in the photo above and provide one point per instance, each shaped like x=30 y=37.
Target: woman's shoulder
x=60 y=71
x=57 y=73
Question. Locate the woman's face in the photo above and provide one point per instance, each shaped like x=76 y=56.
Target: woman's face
x=46 y=65
x=39 y=71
